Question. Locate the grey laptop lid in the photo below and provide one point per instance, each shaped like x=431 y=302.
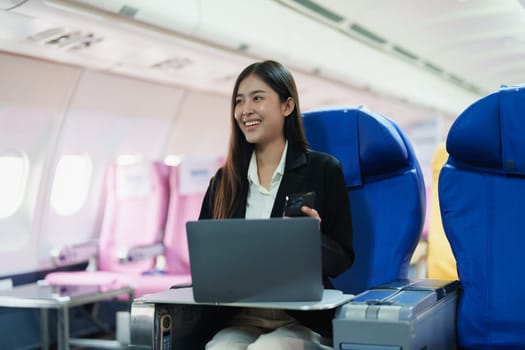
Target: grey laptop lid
x=234 y=260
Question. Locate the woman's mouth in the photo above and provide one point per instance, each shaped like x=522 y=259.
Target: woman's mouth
x=251 y=124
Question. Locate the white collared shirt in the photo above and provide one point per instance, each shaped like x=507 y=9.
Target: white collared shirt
x=260 y=201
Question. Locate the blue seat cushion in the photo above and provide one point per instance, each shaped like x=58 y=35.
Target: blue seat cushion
x=482 y=201
x=385 y=186
x=490 y=133
x=365 y=143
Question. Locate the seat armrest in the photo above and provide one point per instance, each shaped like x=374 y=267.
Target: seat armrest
x=140 y=253
x=75 y=253
x=402 y=314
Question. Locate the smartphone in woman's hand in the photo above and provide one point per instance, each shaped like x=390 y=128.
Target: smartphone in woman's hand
x=294 y=202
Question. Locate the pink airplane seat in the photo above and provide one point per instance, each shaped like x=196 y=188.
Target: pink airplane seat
x=188 y=183
x=135 y=212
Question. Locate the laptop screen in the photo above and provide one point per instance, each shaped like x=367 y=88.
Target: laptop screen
x=256 y=260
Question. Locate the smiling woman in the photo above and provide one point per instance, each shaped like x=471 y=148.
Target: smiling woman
x=87 y=84
x=268 y=160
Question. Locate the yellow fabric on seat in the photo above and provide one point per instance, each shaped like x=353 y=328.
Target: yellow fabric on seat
x=441 y=263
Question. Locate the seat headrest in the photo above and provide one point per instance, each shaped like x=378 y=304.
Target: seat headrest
x=366 y=144
x=490 y=132
x=134 y=180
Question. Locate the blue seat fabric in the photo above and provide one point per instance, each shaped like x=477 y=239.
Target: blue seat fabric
x=386 y=189
x=482 y=203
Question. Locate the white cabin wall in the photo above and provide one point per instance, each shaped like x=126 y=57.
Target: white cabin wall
x=202 y=125
x=109 y=115
x=49 y=110
x=33 y=99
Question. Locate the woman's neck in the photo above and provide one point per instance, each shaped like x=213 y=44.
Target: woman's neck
x=269 y=154
x=268 y=158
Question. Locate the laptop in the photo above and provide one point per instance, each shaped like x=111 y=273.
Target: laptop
x=255 y=260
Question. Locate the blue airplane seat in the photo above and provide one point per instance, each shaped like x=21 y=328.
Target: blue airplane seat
x=386 y=189
x=482 y=203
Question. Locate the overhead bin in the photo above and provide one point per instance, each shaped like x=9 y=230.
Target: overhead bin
x=180 y=16
x=9 y=4
x=218 y=38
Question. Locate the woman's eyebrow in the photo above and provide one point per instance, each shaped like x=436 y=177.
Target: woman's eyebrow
x=254 y=92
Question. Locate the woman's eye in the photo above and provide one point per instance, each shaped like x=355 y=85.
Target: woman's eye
x=257 y=98
x=237 y=102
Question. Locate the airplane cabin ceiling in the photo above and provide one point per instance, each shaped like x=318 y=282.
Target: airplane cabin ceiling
x=478 y=44
x=438 y=55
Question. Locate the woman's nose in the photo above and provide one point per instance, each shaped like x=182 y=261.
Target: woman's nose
x=246 y=112
x=247 y=109
x=242 y=113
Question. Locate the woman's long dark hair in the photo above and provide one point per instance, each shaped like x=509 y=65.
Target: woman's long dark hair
x=233 y=183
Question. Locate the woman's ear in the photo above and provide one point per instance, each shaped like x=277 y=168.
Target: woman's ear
x=288 y=106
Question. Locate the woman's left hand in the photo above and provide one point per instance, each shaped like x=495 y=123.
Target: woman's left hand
x=311 y=212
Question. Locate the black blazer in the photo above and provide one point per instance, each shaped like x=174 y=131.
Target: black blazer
x=305 y=172
x=322 y=174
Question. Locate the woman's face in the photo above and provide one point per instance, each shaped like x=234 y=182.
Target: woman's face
x=259 y=112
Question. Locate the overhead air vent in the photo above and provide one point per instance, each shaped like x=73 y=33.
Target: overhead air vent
x=433 y=68
x=475 y=89
x=367 y=34
x=62 y=38
x=226 y=78
x=320 y=10
x=10 y=4
x=404 y=53
x=457 y=80
x=173 y=64
x=244 y=47
x=128 y=11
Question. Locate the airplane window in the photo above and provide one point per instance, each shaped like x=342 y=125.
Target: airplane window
x=129 y=159
x=71 y=183
x=173 y=159
x=14 y=168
